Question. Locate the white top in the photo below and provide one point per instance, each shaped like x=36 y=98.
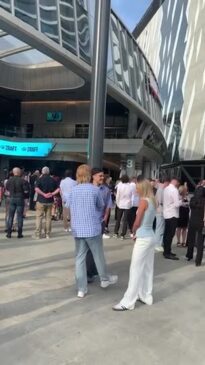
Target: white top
x=66 y=186
x=135 y=197
x=124 y=196
x=171 y=202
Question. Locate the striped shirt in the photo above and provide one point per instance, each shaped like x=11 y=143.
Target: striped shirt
x=85 y=203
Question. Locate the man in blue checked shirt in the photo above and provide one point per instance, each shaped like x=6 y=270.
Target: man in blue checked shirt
x=86 y=205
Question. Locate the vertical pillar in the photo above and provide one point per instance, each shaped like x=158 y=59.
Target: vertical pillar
x=147 y=169
x=98 y=83
x=132 y=125
x=130 y=166
x=4 y=167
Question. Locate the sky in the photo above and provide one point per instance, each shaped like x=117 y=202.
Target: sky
x=130 y=11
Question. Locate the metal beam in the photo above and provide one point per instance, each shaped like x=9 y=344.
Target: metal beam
x=14 y=51
x=2 y=33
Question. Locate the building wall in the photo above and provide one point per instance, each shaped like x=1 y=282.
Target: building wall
x=74 y=123
x=164 y=41
x=34 y=113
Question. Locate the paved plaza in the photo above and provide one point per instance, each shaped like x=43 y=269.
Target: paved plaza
x=44 y=323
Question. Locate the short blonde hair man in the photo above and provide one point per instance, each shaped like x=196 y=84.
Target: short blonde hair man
x=83 y=174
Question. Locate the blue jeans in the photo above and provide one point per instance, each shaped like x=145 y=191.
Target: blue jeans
x=159 y=231
x=96 y=246
x=16 y=205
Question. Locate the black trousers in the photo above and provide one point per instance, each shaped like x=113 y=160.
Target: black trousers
x=131 y=217
x=120 y=213
x=169 y=233
x=195 y=237
x=90 y=264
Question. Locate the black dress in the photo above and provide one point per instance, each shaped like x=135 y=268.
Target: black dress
x=183 y=214
x=196 y=224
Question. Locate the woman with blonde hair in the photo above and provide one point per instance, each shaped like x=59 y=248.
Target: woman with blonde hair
x=142 y=262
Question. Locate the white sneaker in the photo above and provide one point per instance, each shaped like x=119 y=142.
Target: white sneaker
x=81 y=294
x=113 y=279
x=159 y=249
x=120 y=308
x=115 y=236
x=65 y=230
x=69 y=230
x=148 y=300
x=47 y=237
x=105 y=236
x=131 y=235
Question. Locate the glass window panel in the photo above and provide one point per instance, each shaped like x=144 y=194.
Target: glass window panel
x=6 y=4
x=116 y=51
x=146 y=84
x=81 y=2
x=83 y=32
x=30 y=57
x=131 y=66
x=139 y=75
x=67 y=21
x=26 y=11
x=124 y=56
x=49 y=19
x=110 y=71
x=9 y=42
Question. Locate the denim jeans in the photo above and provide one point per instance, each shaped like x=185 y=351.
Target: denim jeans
x=16 y=205
x=96 y=246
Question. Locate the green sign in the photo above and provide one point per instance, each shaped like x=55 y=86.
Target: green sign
x=54 y=116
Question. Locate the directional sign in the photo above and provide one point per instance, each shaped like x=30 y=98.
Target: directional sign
x=25 y=149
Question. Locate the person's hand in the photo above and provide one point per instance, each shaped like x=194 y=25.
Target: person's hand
x=48 y=195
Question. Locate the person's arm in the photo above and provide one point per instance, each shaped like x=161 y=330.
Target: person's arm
x=108 y=207
x=140 y=214
x=40 y=192
x=55 y=192
x=99 y=200
x=177 y=202
x=118 y=195
x=7 y=185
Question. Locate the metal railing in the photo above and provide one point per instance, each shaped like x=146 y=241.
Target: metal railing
x=77 y=131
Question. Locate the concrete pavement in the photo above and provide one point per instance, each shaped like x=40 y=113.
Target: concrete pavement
x=42 y=322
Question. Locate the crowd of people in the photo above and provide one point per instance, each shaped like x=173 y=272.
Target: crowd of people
x=153 y=211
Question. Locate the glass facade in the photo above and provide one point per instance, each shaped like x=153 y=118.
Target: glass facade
x=67 y=25
x=70 y=24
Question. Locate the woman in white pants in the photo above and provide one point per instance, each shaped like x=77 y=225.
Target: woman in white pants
x=142 y=263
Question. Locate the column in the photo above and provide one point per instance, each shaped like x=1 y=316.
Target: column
x=130 y=165
x=132 y=125
x=98 y=83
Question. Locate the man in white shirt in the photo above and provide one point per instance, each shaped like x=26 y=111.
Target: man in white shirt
x=66 y=186
x=160 y=223
x=171 y=204
x=123 y=202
